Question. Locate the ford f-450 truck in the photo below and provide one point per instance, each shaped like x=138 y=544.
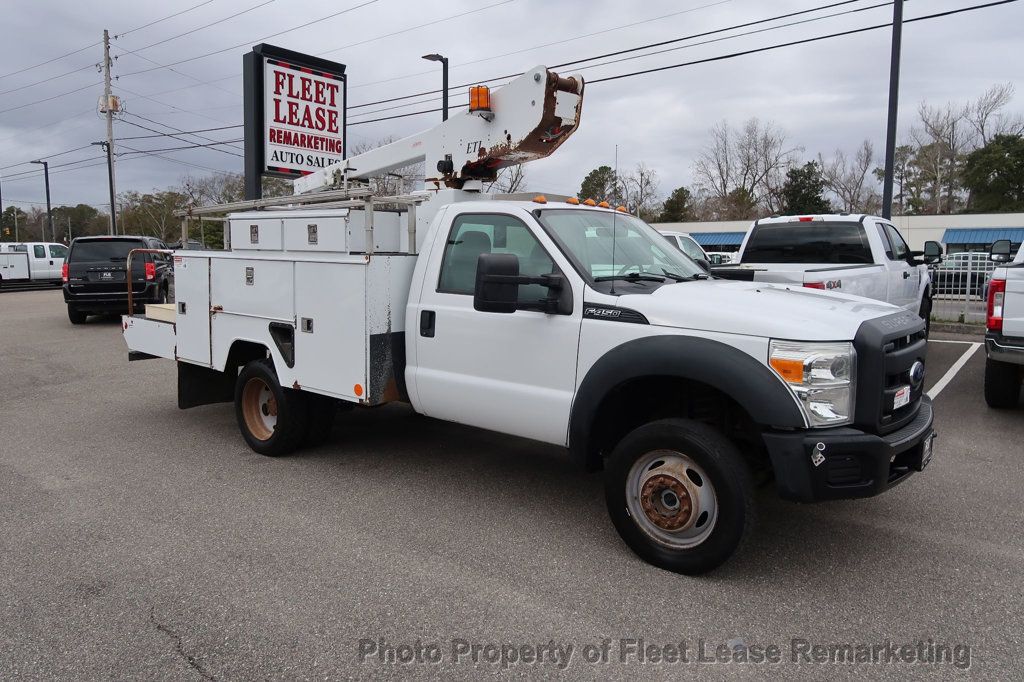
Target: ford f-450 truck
x=1004 y=338
x=569 y=323
x=856 y=254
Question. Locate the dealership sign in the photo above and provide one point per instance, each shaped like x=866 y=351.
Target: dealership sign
x=294 y=114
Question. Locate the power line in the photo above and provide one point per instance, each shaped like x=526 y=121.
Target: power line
x=169 y=16
x=178 y=137
x=200 y=28
x=180 y=73
x=183 y=132
x=180 y=131
x=48 y=99
x=178 y=161
x=176 y=149
x=48 y=156
x=49 y=61
x=249 y=42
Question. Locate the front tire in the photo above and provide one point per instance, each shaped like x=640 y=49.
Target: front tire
x=1002 y=384
x=76 y=316
x=926 y=313
x=272 y=419
x=680 y=495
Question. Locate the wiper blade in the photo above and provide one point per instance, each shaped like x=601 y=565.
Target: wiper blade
x=675 y=276
x=631 y=277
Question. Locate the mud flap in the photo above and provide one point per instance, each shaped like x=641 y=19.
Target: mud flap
x=203 y=386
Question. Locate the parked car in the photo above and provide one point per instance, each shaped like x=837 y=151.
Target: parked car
x=1004 y=322
x=32 y=262
x=962 y=274
x=688 y=245
x=851 y=254
x=95 y=276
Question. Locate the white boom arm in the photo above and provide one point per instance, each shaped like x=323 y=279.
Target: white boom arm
x=528 y=119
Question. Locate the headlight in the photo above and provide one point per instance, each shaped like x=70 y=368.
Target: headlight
x=822 y=375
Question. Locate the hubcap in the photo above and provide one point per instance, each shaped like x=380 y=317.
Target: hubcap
x=671 y=499
x=259 y=407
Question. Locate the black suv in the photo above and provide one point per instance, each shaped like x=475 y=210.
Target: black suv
x=95 y=276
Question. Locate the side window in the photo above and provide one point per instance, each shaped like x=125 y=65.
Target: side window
x=899 y=246
x=39 y=250
x=58 y=251
x=473 y=234
x=884 y=236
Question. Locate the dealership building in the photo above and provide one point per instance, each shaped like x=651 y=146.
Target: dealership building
x=965 y=232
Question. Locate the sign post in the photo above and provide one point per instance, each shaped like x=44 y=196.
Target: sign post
x=295 y=108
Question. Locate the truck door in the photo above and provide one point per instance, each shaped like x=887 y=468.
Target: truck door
x=38 y=263
x=514 y=373
x=58 y=253
x=903 y=278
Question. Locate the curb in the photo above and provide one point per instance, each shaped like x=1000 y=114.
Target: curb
x=959 y=328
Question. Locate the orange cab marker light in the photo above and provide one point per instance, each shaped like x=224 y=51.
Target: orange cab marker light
x=479 y=98
x=621 y=209
x=604 y=204
x=792 y=371
x=358 y=390
x=540 y=199
x=573 y=200
x=590 y=202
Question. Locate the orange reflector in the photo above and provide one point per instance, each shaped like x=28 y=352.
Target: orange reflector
x=358 y=390
x=621 y=209
x=479 y=98
x=604 y=204
x=540 y=199
x=572 y=200
x=790 y=370
x=590 y=202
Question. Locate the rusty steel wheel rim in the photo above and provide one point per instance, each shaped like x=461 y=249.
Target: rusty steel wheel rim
x=671 y=499
x=259 y=408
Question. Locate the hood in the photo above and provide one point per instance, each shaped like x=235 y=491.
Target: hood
x=754 y=309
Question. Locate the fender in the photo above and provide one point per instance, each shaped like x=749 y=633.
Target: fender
x=752 y=385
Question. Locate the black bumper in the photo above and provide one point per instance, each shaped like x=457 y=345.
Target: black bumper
x=832 y=464
x=1004 y=348
x=111 y=302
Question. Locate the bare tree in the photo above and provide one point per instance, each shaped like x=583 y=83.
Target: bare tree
x=986 y=116
x=943 y=139
x=399 y=181
x=510 y=180
x=639 y=191
x=749 y=165
x=851 y=181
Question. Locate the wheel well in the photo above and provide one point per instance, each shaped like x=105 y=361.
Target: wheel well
x=645 y=399
x=242 y=353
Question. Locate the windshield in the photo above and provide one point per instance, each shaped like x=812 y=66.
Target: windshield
x=104 y=249
x=611 y=248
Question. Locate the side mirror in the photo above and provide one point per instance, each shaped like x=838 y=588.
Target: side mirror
x=932 y=252
x=1000 y=251
x=716 y=259
x=706 y=266
x=496 y=289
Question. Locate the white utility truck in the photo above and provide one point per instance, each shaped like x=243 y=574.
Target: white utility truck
x=856 y=254
x=1004 y=338
x=32 y=262
x=564 y=322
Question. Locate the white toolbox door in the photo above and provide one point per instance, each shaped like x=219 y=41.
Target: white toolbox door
x=192 y=300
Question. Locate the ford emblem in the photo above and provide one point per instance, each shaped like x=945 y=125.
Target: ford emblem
x=917 y=373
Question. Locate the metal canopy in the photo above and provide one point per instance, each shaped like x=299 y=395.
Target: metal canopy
x=982 y=235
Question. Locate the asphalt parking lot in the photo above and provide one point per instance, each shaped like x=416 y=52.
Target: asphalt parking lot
x=137 y=540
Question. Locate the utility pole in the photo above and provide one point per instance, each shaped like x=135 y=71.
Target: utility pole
x=894 y=96
x=69 y=228
x=16 y=237
x=108 y=105
x=49 y=213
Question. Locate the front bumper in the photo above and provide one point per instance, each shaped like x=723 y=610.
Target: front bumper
x=831 y=464
x=1004 y=349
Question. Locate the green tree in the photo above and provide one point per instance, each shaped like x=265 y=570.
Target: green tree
x=678 y=208
x=803 y=190
x=599 y=185
x=7 y=227
x=994 y=175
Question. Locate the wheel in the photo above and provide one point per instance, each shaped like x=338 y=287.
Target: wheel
x=1002 y=384
x=320 y=411
x=680 y=495
x=926 y=313
x=161 y=296
x=272 y=419
x=76 y=316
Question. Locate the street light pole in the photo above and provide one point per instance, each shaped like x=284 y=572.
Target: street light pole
x=49 y=213
x=894 y=96
x=444 y=81
x=110 y=182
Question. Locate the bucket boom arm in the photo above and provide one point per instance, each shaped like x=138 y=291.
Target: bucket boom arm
x=525 y=120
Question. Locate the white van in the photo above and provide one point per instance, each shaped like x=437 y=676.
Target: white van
x=32 y=262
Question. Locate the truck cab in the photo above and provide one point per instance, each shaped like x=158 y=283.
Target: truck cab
x=1004 y=336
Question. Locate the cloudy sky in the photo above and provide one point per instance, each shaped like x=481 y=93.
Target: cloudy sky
x=824 y=95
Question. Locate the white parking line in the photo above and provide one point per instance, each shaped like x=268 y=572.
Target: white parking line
x=966 y=343
x=957 y=366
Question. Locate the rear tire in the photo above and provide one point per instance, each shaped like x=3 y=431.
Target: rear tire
x=1002 y=384
x=272 y=419
x=76 y=316
x=680 y=495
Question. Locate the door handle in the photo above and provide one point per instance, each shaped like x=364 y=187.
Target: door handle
x=51 y=262
x=427 y=318
x=906 y=275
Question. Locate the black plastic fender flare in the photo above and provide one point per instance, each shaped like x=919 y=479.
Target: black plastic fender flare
x=755 y=387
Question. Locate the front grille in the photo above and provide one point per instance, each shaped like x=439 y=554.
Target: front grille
x=887 y=349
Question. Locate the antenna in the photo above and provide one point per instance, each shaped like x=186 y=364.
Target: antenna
x=615 y=188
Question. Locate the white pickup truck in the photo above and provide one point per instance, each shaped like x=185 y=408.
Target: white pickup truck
x=1004 y=338
x=563 y=322
x=855 y=254
x=32 y=262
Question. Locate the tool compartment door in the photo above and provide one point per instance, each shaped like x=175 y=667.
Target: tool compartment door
x=330 y=339
x=192 y=307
